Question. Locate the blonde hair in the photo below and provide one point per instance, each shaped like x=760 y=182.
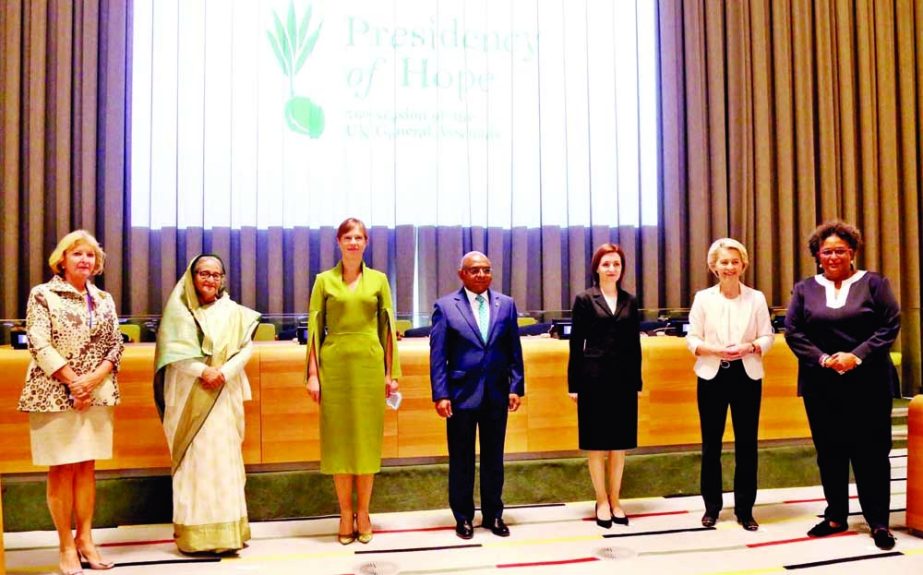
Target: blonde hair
x=728 y=244
x=67 y=243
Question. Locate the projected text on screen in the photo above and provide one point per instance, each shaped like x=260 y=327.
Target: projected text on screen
x=500 y=113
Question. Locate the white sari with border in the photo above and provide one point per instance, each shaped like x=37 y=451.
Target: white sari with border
x=209 y=506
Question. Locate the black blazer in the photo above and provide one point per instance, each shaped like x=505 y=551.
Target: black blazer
x=605 y=347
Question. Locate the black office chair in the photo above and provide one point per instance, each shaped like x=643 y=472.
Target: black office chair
x=653 y=327
x=534 y=329
x=418 y=331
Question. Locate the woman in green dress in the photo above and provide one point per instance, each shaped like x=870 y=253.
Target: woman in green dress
x=352 y=368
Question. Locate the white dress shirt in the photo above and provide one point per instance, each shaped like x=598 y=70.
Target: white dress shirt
x=611 y=301
x=475 y=305
x=721 y=321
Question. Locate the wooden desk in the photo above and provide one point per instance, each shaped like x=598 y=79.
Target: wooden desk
x=282 y=422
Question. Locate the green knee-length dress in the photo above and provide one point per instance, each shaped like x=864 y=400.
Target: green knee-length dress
x=349 y=329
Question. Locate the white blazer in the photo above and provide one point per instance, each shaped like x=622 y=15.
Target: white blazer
x=720 y=321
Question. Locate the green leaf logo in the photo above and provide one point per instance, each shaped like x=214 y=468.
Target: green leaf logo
x=292 y=42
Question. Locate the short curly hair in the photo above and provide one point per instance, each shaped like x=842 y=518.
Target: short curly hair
x=846 y=232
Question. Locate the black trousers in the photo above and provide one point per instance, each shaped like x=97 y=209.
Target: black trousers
x=461 y=430
x=731 y=387
x=851 y=423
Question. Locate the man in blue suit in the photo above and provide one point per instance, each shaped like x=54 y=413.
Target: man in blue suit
x=476 y=373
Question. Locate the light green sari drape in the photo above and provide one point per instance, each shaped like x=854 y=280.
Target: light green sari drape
x=184 y=335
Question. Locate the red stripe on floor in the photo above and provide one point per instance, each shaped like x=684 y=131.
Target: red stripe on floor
x=800 y=539
x=543 y=563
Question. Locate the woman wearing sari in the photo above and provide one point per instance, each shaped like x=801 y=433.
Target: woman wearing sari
x=203 y=344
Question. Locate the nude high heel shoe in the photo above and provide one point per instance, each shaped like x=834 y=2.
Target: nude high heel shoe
x=366 y=537
x=96 y=566
x=63 y=571
x=347 y=538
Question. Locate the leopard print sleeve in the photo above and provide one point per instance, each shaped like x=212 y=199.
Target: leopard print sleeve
x=39 y=330
x=113 y=338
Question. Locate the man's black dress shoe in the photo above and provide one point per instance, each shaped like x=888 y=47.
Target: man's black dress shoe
x=748 y=523
x=709 y=519
x=498 y=527
x=883 y=538
x=824 y=528
x=464 y=529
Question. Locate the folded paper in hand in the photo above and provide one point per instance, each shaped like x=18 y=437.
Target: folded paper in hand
x=394 y=400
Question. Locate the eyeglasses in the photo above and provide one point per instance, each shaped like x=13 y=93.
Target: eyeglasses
x=209 y=275
x=478 y=271
x=840 y=252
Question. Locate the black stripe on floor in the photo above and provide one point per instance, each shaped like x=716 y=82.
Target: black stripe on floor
x=843 y=560
x=168 y=562
x=418 y=549
x=535 y=506
x=664 y=532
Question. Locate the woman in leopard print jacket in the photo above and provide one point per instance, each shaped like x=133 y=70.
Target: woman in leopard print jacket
x=71 y=389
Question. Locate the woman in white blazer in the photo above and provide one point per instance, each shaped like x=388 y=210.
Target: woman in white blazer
x=729 y=331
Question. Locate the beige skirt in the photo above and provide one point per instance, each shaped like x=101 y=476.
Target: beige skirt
x=65 y=437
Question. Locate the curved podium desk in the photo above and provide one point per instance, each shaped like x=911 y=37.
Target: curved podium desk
x=282 y=421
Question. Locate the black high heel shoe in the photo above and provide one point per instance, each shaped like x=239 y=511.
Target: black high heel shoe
x=604 y=523
x=748 y=523
x=709 y=519
x=620 y=520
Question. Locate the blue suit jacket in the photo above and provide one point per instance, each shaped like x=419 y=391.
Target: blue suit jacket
x=463 y=367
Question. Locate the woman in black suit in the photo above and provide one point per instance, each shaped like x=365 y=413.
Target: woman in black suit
x=604 y=378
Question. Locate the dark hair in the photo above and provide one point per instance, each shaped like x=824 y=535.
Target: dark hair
x=605 y=249
x=846 y=232
x=350 y=223
x=224 y=282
